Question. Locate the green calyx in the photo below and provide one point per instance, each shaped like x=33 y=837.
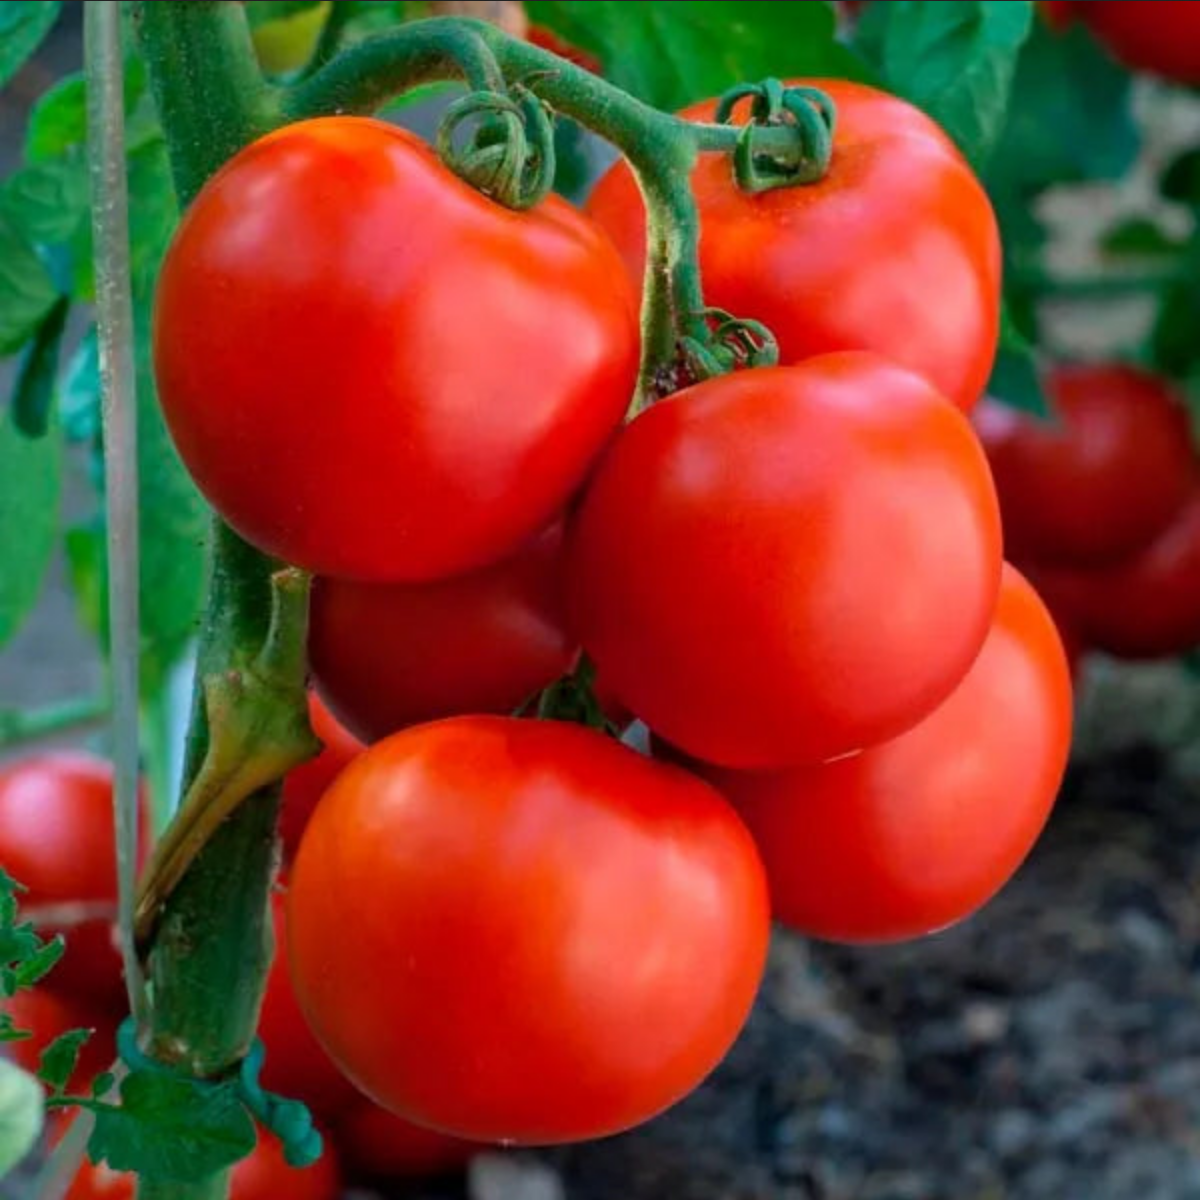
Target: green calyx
x=729 y=343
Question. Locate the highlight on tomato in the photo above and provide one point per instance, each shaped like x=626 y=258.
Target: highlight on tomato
x=555 y=938
x=783 y=565
x=896 y=250
x=915 y=834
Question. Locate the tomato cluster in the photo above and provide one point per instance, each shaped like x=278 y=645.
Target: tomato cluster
x=1101 y=505
x=521 y=930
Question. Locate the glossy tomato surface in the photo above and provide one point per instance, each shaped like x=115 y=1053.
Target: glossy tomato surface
x=896 y=250
x=1101 y=477
x=1145 y=607
x=389 y=655
x=371 y=402
x=57 y=839
x=554 y=938
x=787 y=564
x=303 y=786
x=377 y=1144
x=1159 y=36
x=914 y=834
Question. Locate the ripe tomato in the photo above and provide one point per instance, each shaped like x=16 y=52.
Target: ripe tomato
x=303 y=786
x=555 y=938
x=47 y=1015
x=56 y=838
x=914 y=834
x=787 y=564
x=1100 y=480
x=1147 y=606
x=896 y=250
x=296 y=1065
x=264 y=1175
x=358 y=399
x=387 y=656
x=1159 y=36
x=377 y=1144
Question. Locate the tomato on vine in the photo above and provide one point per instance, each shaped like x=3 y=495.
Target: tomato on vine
x=555 y=937
x=362 y=402
x=915 y=834
x=1159 y=36
x=895 y=250
x=386 y=656
x=1099 y=478
x=783 y=565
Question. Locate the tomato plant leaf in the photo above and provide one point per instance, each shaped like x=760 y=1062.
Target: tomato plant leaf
x=1015 y=379
x=672 y=54
x=953 y=58
x=41 y=962
x=1138 y=237
x=1181 y=180
x=34 y=392
x=172 y=1129
x=27 y=293
x=21 y=1114
x=30 y=483
x=24 y=25
x=47 y=200
x=61 y=1057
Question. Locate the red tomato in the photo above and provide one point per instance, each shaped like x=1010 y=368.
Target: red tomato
x=387 y=656
x=1159 y=36
x=376 y=1144
x=47 y=1015
x=1099 y=481
x=373 y=403
x=303 y=786
x=265 y=1175
x=896 y=250
x=555 y=938
x=1059 y=13
x=786 y=564
x=914 y=834
x=296 y=1065
x=57 y=838
x=1147 y=606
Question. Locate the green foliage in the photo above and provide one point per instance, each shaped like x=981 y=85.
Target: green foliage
x=173 y=1129
x=30 y=474
x=34 y=392
x=23 y=26
x=27 y=292
x=1139 y=237
x=1015 y=379
x=60 y=1058
x=672 y=54
x=953 y=58
x=21 y=1115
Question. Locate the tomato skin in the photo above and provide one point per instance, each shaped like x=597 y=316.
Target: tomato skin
x=729 y=559
x=387 y=656
x=46 y=1015
x=296 y=1066
x=915 y=834
x=377 y=1144
x=895 y=251
x=57 y=839
x=359 y=401
x=1159 y=36
x=1102 y=479
x=264 y=1175
x=556 y=938
x=1144 y=607
x=303 y=786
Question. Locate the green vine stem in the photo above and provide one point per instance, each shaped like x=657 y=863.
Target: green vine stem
x=18 y=726
x=661 y=150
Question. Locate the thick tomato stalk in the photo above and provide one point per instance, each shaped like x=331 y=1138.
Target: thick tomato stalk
x=783 y=565
x=385 y=656
x=554 y=938
x=917 y=833
x=370 y=369
x=896 y=250
x=1101 y=477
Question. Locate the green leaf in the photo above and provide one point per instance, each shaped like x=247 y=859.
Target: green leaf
x=88 y=574
x=21 y=1115
x=34 y=392
x=1181 y=179
x=172 y=1129
x=30 y=481
x=153 y=210
x=1139 y=237
x=23 y=26
x=27 y=293
x=39 y=964
x=1015 y=379
x=47 y=201
x=672 y=54
x=60 y=1058
x=261 y=12
x=953 y=58
x=58 y=121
